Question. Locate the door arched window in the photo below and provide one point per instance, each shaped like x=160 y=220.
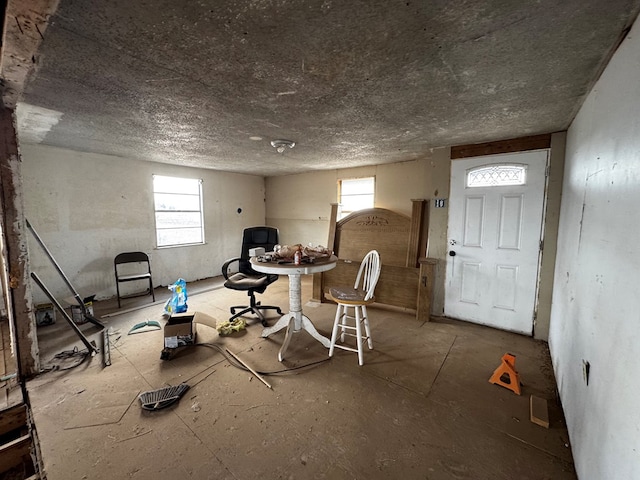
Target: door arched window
x=497 y=175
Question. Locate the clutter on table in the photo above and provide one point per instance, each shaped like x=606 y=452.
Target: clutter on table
x=296 y=254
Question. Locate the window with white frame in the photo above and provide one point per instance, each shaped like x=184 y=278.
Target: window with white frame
x=178 y=211
x=355 y=194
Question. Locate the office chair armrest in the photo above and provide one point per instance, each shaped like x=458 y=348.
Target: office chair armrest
x=225 y=267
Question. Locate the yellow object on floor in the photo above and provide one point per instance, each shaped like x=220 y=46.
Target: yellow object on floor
x=227 y=327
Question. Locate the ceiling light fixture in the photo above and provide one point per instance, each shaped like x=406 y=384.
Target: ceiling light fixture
x=281 y=145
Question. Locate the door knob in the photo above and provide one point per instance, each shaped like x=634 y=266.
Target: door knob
x=452 y=253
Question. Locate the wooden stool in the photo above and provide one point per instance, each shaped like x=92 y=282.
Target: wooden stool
x=357 y=298
x=507 y=368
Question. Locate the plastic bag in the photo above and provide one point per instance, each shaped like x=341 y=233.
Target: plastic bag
x=178 y=301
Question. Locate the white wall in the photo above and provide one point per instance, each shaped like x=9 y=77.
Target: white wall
x=595 y=314
x=87 y=208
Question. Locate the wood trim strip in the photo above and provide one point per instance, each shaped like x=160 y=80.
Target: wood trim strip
x=425 y=289
x=417 y=213
x=333 y=219
x=19 y=307
x=24 y=25
x=534 y=142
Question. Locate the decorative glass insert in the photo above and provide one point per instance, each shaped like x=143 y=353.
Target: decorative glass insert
x=496 y=176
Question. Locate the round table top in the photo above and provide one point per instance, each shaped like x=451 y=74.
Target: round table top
x=320 y=265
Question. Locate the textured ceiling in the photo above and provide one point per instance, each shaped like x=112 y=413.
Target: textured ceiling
x=210 y=83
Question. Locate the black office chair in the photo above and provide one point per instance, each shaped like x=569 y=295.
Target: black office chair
x=247 y=279
x=139 y=269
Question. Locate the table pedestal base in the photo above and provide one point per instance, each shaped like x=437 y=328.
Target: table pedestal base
x=290 y=322
x=295 y=320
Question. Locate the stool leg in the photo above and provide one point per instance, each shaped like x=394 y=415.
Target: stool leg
x=334 y=332
x=358 y=315
x=366 y=327
x=343 y=321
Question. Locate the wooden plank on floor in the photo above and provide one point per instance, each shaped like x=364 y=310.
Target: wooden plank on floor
x=14 y=452
x=13 y=418
x=538 y=411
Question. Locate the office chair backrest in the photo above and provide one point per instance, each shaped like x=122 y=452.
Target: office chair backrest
x=252 y=237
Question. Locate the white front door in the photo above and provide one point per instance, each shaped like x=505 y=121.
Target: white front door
x=495 y=221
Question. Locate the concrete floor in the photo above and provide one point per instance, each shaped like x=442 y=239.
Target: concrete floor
x=420 y=408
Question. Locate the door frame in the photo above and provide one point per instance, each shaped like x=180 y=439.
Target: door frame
x=543 y=223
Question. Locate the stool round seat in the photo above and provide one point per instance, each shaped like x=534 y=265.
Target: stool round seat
x=349 y=296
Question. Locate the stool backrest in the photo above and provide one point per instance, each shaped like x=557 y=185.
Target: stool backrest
x=368 y=274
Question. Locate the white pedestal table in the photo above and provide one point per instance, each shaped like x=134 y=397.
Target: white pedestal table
x=295 y=320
